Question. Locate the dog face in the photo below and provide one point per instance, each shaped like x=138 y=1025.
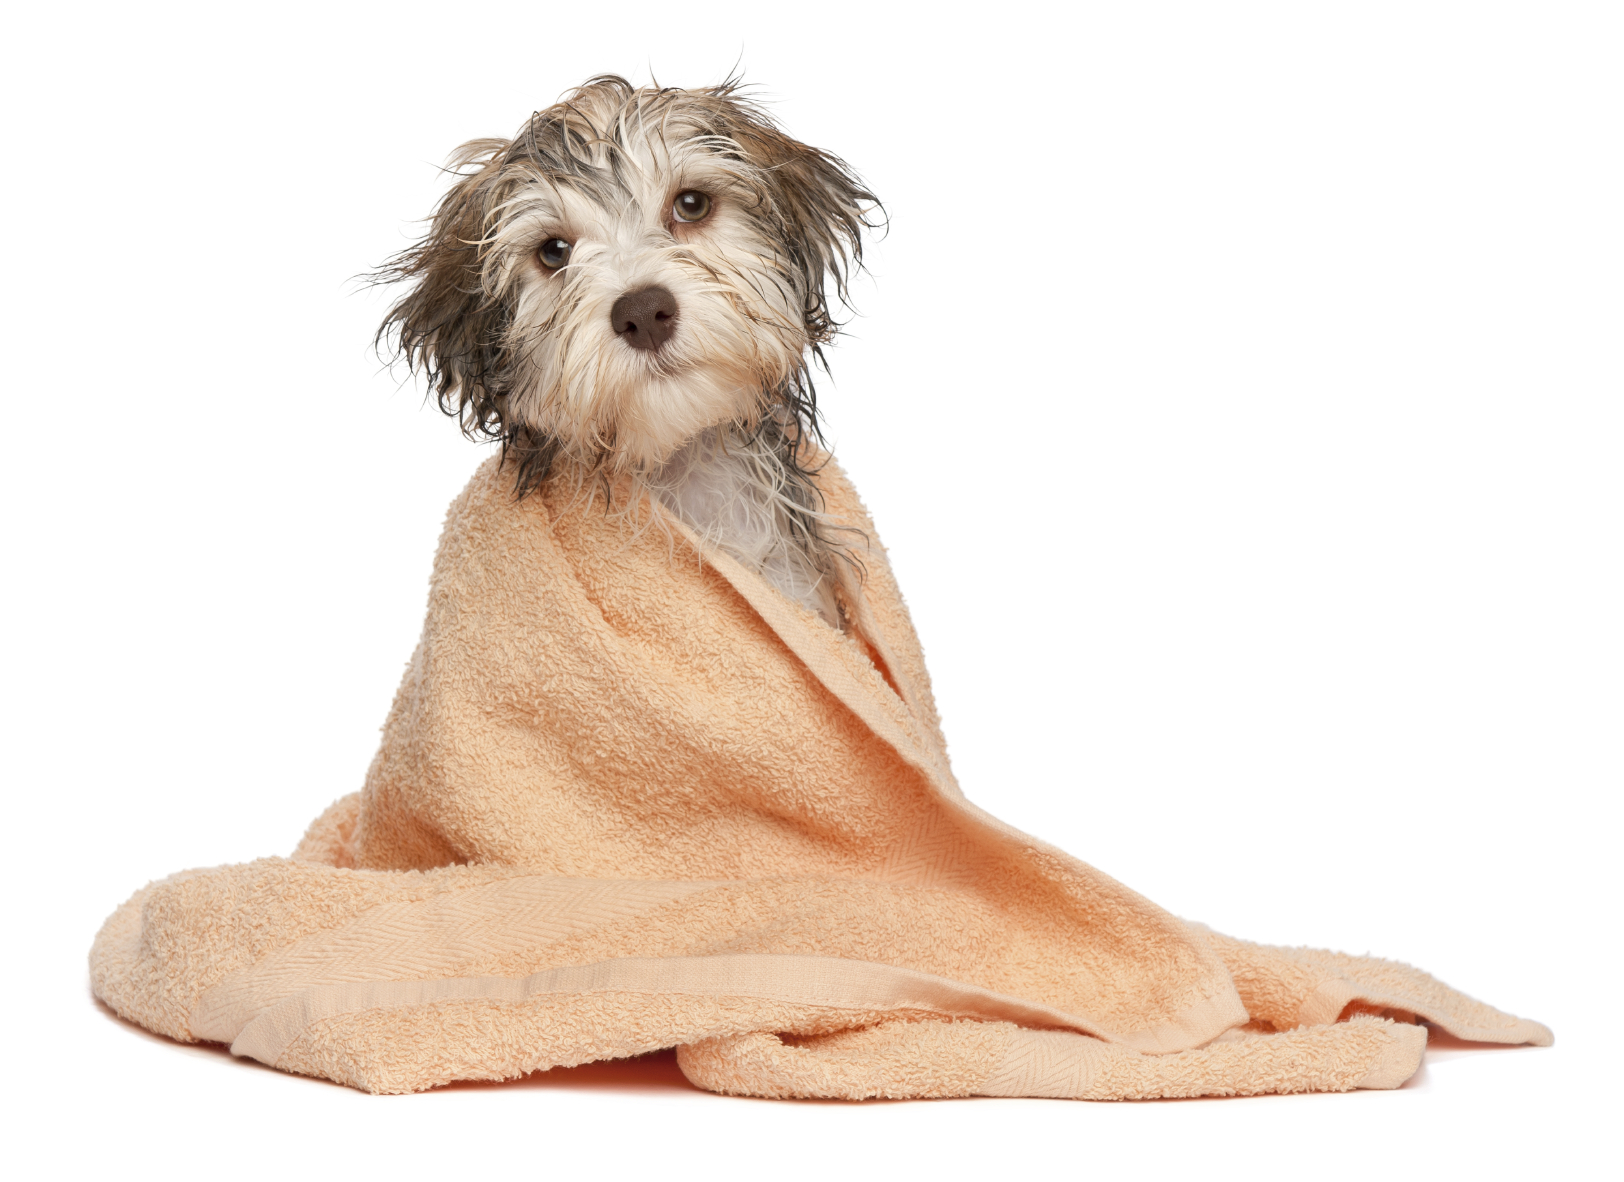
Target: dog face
x=635 y=266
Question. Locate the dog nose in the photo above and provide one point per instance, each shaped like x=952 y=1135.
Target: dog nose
x=645 y=318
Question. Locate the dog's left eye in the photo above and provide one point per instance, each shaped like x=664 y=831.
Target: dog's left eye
x=691 y=206
x=553 y=253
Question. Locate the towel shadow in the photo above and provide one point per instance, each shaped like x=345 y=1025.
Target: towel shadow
x=654 y=1072
x=658 y=1072
x=1442 y=1046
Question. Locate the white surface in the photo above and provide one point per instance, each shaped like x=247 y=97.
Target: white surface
x=1238 y=391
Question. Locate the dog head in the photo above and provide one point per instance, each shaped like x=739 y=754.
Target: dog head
x=632 y=268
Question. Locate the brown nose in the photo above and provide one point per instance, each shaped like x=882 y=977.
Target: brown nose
x=645 y=318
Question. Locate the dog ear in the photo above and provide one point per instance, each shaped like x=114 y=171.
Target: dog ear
x=821 y=208
x=449 y=324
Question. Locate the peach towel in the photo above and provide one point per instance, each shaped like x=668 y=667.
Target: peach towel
x=631 y=797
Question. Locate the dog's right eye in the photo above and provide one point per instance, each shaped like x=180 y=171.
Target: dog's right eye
x=553 y=253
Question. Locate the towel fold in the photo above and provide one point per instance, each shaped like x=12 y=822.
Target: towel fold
x=629 y=796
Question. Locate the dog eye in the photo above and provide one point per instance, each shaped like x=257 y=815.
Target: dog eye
x=553 y=253
x=691 y=206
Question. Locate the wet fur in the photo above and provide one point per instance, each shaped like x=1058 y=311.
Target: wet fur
x=720 y=423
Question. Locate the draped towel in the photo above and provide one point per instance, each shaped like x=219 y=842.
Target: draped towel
x=629 y=796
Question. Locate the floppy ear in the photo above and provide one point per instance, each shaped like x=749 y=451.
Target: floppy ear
x=821 y=209
x=449 y=324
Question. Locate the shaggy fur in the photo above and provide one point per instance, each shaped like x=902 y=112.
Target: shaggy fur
x=526 y=353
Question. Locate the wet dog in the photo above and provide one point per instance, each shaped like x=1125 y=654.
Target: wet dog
x=637 y=285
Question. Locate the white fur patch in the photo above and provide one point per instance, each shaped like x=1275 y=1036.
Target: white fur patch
x=723 y=488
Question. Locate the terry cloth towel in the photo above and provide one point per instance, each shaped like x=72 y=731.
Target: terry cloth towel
x=629 y=797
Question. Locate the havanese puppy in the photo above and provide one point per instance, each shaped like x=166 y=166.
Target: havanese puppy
x=637 y=285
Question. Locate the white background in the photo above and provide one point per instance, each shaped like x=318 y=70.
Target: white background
x=1238 y=392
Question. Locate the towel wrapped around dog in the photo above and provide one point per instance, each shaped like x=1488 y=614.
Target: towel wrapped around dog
x=630 y=796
